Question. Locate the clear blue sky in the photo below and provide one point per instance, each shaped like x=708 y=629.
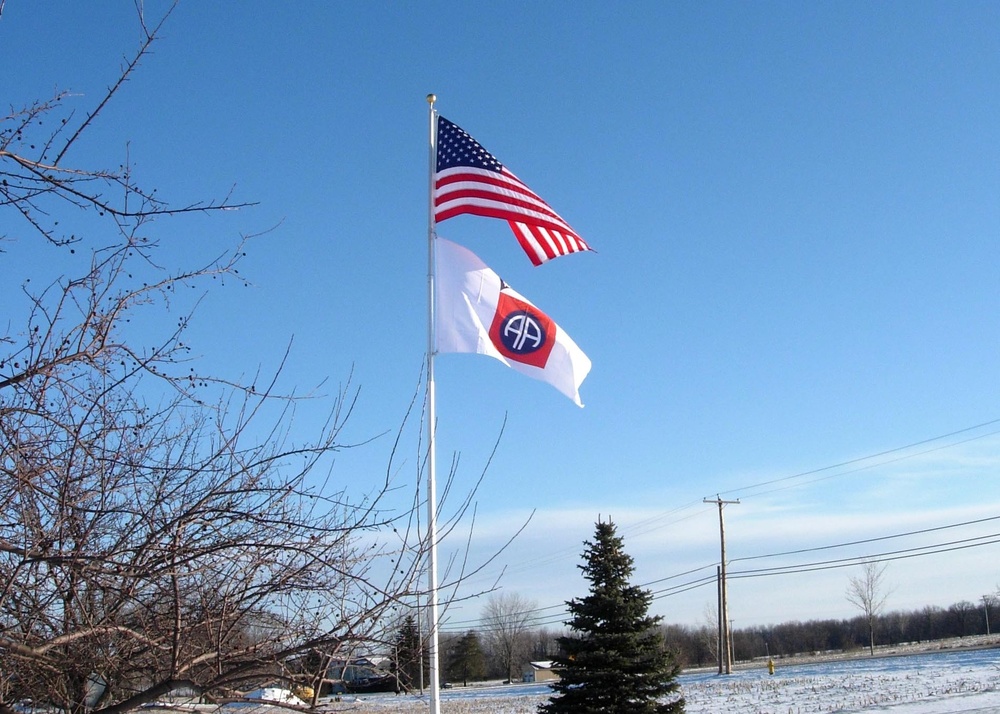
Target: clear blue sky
x=796 y=213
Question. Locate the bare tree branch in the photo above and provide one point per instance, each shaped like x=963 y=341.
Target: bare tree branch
x=161 y=526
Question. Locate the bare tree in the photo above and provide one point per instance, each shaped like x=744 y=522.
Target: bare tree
x=709 y=633
x=962 y=612
x=868 y=592
x=506 y=627
x=160 y=527
x=543 y=644
x=37 y=182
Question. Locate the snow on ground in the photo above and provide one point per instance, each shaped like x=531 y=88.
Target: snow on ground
x=951 y=682
x=938 y=683
x=275 y=694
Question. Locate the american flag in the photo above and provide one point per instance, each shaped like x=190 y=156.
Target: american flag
x=469 y=179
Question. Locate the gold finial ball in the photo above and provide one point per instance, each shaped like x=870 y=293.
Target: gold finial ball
x=431 y=98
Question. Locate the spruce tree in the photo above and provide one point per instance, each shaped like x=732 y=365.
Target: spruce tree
x=409 y=652
x=614 y=661
x=467 y=660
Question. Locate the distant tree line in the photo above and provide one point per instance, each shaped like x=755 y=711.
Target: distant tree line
x=477 y=655
x=695 y=646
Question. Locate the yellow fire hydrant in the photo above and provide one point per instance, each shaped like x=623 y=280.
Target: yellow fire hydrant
x=770 y=666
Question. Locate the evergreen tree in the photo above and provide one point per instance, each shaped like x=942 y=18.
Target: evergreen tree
x=408 y=654
x=467 y=660
x=614 y=661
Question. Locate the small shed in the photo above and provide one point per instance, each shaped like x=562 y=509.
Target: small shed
x=539 y=672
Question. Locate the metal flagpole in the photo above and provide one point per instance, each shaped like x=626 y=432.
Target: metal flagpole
x=432 y=647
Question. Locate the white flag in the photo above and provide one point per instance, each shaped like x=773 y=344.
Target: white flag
x=475 y=311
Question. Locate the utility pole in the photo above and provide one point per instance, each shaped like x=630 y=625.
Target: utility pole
x=725 y=651
x=719 y=648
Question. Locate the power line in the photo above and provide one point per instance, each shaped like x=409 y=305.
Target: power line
x=556 y=614
x=866 y=467
x=649 y=524
x=887 y=452
x=679 y=575
x=856 y=560
x=868 y=540
x=558 y=618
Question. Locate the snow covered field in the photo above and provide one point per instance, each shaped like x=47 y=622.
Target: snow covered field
x=954 y=681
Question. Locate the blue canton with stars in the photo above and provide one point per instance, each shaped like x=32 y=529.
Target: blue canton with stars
x=456 y=148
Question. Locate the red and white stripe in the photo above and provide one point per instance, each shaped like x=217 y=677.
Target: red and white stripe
x=542 y=232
